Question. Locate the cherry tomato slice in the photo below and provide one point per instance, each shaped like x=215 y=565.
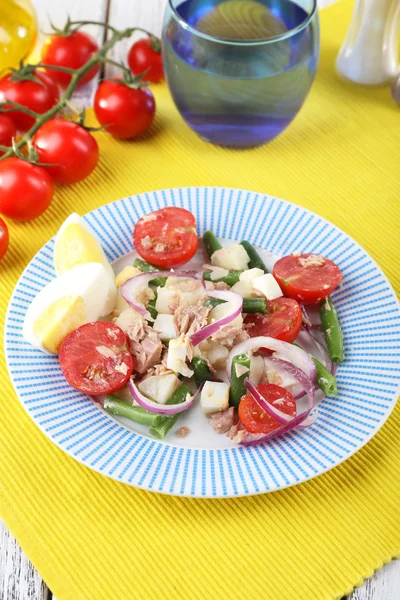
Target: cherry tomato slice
x=254 y=419
x=166 y=237
x=95 y=359
x=282 y=321
x=307 y=278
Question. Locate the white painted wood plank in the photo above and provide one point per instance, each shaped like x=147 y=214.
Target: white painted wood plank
x=385 y=585
x=19 y=580
x=57 y=11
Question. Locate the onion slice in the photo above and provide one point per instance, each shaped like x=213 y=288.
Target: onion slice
x=294 y=354
x=235 y=300
x=131 y=287
x=161 y=409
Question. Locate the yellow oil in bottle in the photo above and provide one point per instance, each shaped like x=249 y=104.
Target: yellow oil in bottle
x=17 y=32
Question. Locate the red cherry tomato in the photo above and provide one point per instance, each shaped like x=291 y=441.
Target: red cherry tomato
x=89 y=370
x=25 y=190
x=282 y=321
x=69 y=146
x=255 y=419
x=145 y=56
x=166 y=237
x=307 y=278
x=71 y=51
x=126 y=111
x=39 y=97
x=3 y=238
x=7 y=131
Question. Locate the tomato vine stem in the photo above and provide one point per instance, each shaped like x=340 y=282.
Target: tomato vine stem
x=98 y=58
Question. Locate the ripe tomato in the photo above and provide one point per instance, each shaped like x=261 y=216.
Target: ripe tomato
x=70 y=147
x=126 y=111
x=255 y=419
x=307 y=278
x=3 y=238
x=39 y=97
x=145 y=55
x=71 y=51
x=26 y=190
x=166 y=237
x=7 y=131
x=95 y=359
x=282 y=321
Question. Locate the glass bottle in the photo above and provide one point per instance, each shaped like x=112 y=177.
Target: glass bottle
x=370 y=53
x=18 y=31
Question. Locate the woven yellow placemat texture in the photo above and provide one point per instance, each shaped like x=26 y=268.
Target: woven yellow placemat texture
x=93 y=538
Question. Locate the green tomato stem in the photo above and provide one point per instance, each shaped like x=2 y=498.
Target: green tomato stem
x=77 y=75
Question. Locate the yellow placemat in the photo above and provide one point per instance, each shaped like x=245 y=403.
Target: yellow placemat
x=93 y=538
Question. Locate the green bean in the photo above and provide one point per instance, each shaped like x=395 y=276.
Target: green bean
x=250 y=305
x=230 y=279
x=254 y=305
x=201 y=371
x=116 y=406
x=256 y=261
x=151 y=307
x=179 y=396
x=238 y=389
x=213 y=302
x=324 y=379
x=146 y=267
x=331 y=329
x=211 y=244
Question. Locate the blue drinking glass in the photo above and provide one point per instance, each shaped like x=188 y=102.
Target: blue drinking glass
x=240 y=70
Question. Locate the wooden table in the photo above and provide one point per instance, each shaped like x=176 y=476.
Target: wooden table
x=18 y=578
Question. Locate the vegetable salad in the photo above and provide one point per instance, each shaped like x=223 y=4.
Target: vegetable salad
x=156 y=338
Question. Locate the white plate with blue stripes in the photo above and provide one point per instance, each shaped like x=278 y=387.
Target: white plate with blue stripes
x=205 y=465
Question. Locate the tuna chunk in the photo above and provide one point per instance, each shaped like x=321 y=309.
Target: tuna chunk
x=223 y=421
x=230 y=336
x=145 y=346
x=191 y=319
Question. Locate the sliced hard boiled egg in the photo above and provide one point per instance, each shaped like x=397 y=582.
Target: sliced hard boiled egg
x=74 y=298
x=77 y=245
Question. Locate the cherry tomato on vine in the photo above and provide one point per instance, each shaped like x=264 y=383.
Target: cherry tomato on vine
x=26 y=190
x=38 y=96
x=3 y=238
x=127 y=111
x=146 y=55
x=69 y=147
x=7 y=131
x=72 y=51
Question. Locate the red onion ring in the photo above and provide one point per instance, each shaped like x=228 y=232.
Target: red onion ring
x=235 y=299
x=275 y=413
x=132 y=286
x=294 y=354
x=161 y=409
